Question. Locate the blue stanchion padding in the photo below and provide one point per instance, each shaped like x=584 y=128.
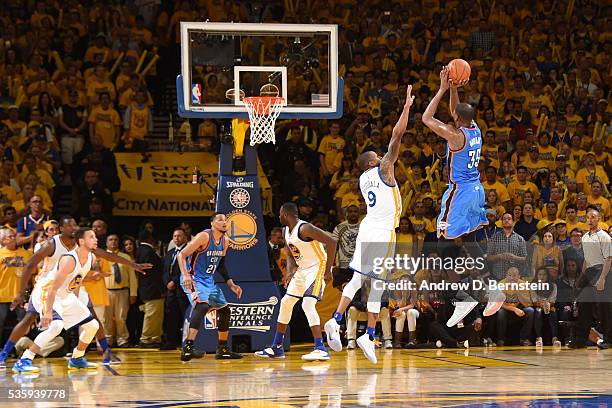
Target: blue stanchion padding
x=240 y=199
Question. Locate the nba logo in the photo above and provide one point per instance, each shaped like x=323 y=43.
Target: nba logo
x=196 y=93
x=210 y=320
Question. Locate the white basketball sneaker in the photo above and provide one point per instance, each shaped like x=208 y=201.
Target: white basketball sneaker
x=462 y=309
x=496 y=300
x=368 y=347
x=316 y=355
x=332 y=329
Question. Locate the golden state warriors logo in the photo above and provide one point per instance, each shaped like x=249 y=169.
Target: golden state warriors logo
x=295 y=252
x=242 y=229
x=75 y=283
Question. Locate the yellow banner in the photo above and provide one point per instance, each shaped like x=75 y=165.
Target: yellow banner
x=162 y=187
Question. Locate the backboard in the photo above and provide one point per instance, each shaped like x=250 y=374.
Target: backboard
x=223 y=62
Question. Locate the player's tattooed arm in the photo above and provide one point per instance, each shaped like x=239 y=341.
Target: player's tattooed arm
x=312 y=232
x=45 y=251
x=454 y=136
x=388 y=161
x=200 y=240
x=291 y=268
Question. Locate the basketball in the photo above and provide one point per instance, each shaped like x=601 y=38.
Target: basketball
x=459 y=70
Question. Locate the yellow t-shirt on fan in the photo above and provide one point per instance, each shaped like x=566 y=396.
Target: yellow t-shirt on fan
x=105 y=122
x=11 y=268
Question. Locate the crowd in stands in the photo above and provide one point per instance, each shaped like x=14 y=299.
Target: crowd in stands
x=79 y=81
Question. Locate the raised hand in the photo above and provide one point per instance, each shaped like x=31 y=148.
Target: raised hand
x=409 y=97
x=444 y=83
x=459 y=84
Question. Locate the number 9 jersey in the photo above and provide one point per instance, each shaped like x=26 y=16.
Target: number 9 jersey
x=376 y=236
x=383 y=201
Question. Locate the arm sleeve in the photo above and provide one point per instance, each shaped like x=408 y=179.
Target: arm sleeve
x=223 y=270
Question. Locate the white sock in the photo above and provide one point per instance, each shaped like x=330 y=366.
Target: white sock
x=28 y=354
x=76 y=353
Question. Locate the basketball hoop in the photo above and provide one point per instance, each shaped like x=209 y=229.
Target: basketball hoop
x=263 y=111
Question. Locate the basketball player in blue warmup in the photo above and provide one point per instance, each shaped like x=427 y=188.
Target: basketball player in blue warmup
x=198 y=261
x=463 y=202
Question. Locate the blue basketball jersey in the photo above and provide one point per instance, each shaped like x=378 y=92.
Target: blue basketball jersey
x=463 y=163
x=204 y=261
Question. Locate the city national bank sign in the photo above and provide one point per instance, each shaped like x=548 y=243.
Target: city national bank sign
x=162 y=186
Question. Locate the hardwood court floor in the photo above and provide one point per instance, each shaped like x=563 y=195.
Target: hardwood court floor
x=498 y=377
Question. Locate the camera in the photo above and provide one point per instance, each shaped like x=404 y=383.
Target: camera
x=197 y=177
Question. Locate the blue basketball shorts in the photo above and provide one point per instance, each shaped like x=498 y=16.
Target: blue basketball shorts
x=462 y=210
x=205 y=290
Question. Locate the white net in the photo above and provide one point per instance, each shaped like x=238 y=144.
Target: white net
x=263 y=112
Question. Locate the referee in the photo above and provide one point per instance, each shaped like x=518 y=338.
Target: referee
x=596 y=282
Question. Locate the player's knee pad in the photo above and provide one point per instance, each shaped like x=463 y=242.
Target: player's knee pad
x=352 y=286
x=286 y=308
x=223 y=319
x=89 y=330
x=198 y=314
x=54 y=329
x=310 y=309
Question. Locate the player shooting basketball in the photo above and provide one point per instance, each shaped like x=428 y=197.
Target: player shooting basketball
x=462 y=211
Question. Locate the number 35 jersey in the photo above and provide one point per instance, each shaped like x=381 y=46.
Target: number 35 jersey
x=383 y=201
x=463 y=163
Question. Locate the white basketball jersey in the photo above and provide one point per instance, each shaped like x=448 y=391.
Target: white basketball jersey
x=305 y=253
x=74 y=278
x=384 y=204
x=58 y=251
